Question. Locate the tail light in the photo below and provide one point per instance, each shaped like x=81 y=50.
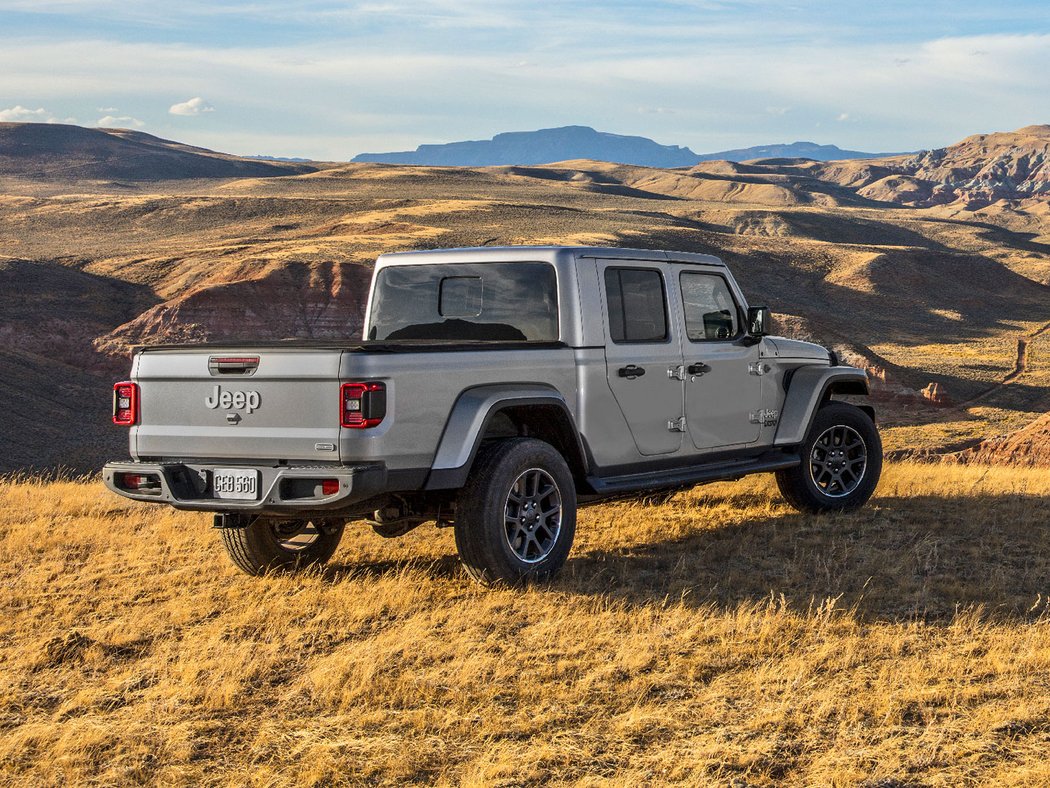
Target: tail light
x=125 y=404
x=141 y=482
x=362 y=405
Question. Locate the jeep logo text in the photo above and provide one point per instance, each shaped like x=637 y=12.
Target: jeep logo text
x=237 y=400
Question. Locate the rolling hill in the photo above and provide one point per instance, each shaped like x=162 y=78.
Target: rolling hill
x=56 y=150
x=933 y=300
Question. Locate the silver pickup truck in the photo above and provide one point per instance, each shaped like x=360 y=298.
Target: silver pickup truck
x=495 y=391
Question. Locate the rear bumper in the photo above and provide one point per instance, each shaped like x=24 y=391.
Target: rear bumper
x=282 y=490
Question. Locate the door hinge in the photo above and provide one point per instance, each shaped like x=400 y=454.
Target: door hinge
x=759 y=368
x=765 y=417
x=676 y=373
x=676 y=425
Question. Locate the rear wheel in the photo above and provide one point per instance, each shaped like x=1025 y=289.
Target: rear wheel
x=283 y=545
x=516 y=516
x=841 y=462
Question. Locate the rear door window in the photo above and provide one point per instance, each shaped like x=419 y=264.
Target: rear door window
x=636 y=305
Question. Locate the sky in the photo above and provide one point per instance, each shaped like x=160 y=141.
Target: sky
x=328 y=80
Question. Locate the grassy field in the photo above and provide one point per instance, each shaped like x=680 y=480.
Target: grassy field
x=719 y=638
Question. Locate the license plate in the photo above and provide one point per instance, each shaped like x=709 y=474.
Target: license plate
x=235 y=484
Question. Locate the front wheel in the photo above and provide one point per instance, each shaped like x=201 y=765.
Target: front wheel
x=283 y=545
x=841 y=462
x=516 y=516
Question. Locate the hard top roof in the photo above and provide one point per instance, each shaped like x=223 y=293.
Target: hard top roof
x=551 y=252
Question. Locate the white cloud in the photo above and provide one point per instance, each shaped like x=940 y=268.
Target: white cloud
x=20 y=114
x=843 y=116
x=119 y=122
x=194 y=106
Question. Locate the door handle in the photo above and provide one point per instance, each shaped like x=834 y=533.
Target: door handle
x=698 y=368
x=631 y=372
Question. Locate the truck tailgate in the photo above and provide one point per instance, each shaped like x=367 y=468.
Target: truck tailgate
x=235 y=404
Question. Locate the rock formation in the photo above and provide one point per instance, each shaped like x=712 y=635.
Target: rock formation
x=976 y=172
x=1029 y=446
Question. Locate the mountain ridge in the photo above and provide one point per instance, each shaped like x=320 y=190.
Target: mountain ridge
x=564 y=143
x=800 y=149
x=43 y=150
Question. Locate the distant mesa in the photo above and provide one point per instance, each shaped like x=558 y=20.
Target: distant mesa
x=582 y=142
x=56 y=150
x=784 y=153
x=542 y=147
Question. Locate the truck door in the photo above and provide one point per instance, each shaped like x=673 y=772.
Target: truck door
x=642 y=346
x=723 y=382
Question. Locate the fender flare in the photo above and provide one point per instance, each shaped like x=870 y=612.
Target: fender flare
x=807 y=389
x=471 y=415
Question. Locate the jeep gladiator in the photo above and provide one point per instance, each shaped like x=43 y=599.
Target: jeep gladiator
x=495 y=390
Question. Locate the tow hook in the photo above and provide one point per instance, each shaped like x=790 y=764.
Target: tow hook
x=234 y=520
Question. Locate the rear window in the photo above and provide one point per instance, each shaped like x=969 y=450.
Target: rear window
x=496 y=302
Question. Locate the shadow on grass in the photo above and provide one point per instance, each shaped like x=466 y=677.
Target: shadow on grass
x=901 y=558
x=443 y=568
x=921 y=558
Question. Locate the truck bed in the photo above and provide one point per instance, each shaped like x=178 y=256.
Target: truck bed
x=286 y=409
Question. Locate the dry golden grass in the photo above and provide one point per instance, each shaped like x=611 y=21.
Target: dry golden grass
x=719 y=638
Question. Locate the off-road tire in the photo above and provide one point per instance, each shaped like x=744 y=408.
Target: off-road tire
x=257 y=549
x=797 y=484
x=483 y=536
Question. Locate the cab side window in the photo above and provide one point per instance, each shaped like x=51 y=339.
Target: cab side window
x=636 y=305
x=711 y=313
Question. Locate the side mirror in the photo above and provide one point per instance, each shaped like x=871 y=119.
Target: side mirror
x=759 y=321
